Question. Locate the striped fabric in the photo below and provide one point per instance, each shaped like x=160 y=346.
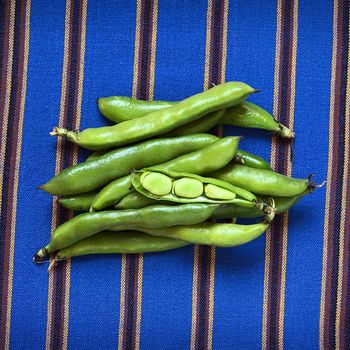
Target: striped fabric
x=287 y=290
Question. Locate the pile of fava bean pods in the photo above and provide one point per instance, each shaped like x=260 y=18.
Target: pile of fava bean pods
x=157 y=179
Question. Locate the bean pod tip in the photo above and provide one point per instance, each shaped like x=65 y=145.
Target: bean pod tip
x=58 y=131
x=70 y=135
x=285 y=132
x=40 y=256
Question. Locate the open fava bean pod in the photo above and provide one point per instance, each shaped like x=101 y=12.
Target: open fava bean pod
x=188 y=188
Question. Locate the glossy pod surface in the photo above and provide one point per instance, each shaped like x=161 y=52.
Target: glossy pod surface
x=261 y=181
x=128 y=242
x=161 y=121
x=78 y=202
x=95 y=155
x=249 y=115
x=207 y=159
x=251 y=160
x=121 y=108
x=88 y=224
x=136 y=200
x=241 y=157
x=215 y=234
x=90 y=175
x=245 y=114
x=203 y=124
x=227 y=211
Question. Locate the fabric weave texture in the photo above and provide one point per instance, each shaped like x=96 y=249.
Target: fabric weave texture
x=288 y=289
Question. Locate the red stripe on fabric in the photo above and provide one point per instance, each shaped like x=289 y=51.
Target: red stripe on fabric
x=132 y=262
x=335 y=200
x=65 y=158
x=12 y=153
x=282 y=152
x=4 y=56
x=215 y=64
x=344 y=329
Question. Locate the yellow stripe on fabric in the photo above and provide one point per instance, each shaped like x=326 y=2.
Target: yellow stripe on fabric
x=66 y=308
x=153 y=49
x=124 y=259
x=81 y=73
x=266 y=292
x=329 y=176
x=207 y=46
x=274 y=147
x=122 y=304
x=219 y=132
x=224 y=43
x=139 y=303
x=17 y=165
x=289 y=173
x=211 y=297
x=194 y=297
x=196 y=247
x=5 y=112
x=343 y=207
x=135 y=92
x=137 y=48
x=59 y=150
x=57 y=169
x=264 y=339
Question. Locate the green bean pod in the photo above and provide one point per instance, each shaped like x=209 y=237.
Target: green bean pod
x=196 y=127
x=209 y=233
x=241 y=157
x=78 y=202
x=249 y=115
x=88 y=176
x=203 y=124
x=261 y=181
x=95 y=155
x=251 y=160
x=199 y=162
x=227 y=211
x=245 y=114
x=136 y=200
x=88 y=224
x=121 y=108
x=161 y=121
x=197 y=189
x=128 y=242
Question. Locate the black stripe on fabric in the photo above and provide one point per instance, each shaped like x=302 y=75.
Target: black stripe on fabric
x=347 y=308
x=276 y=240
x=132 y=262
x=338 y=168
x=204 y=255
x=5 y=231
x=57 y=322
x=2 y=38
x=73 y=76
x=216 y=44
x=204 y=262
x=281 y=161
x=283 y=112
x=146 y=27
x=59 y=288
x=142 y=92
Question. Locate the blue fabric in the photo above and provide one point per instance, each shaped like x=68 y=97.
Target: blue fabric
x=94 y=307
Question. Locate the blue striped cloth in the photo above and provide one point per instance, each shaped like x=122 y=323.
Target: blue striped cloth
x=289 y=289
